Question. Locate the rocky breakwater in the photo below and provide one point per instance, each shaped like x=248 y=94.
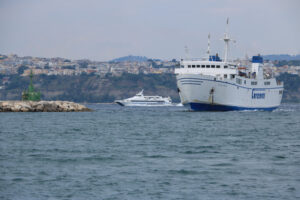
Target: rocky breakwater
x=41 y=106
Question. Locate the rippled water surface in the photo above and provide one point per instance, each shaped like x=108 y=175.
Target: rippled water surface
x=150 y=153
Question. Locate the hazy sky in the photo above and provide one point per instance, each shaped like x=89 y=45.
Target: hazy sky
x=102 y=30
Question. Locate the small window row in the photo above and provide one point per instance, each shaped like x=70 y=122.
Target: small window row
x=205 y=66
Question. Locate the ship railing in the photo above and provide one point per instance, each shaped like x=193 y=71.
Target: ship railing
x=193 y=59
x=205 y=59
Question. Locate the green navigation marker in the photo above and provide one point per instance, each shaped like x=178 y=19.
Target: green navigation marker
x=30 y=94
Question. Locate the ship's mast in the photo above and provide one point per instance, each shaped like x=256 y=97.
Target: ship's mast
x=187 y=55
x=227 y=39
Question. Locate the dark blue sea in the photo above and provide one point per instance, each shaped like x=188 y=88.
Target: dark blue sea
x=150 y=153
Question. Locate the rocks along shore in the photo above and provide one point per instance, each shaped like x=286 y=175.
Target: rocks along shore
x=41 y=106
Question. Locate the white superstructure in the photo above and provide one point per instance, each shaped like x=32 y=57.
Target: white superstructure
x=213 y=84
x=140 y=100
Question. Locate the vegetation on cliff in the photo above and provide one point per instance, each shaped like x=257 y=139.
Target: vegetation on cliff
x=94 y=89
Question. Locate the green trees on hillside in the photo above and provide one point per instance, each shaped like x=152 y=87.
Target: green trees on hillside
x=93 y=88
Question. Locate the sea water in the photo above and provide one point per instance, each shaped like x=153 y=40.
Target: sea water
x=150 y=153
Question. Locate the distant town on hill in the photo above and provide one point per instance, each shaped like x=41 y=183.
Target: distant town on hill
x=281 y=57
x=93 y=81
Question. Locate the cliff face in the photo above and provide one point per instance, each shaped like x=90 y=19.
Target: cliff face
x=95 y=89
x=291 y=91
x=41 y=106
x=92 y=88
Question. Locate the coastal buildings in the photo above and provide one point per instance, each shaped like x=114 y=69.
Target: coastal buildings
x=13 y=64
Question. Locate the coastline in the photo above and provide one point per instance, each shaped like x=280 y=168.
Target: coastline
x=42 y=106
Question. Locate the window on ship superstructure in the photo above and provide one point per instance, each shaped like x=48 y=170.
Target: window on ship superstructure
x=198 y=66
x=213 y=66
x=218 y=66
x=253 y=82
x=207 y=66
x=193 y=66
x=202 y=66
x=267 y=83
x=225 y=66
x=225 y=75
x=189 y=66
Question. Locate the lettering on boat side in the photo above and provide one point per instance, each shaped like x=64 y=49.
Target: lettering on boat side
x=258 y=94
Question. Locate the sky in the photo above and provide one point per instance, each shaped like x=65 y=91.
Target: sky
x=105 y=29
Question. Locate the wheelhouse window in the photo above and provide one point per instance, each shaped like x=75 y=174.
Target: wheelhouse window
x=193 y=66
x=198 y=66
x=182 y=66
x=225 y=75
x=245 y=82
x=225 y=66
x=253 y=82
x=218 y=66
x=232 y=76
x=213 y=66
x=202 y=66
x=207 y=66
x=189 y=66
x=267 y=83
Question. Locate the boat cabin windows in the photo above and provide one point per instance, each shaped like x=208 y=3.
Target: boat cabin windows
x=245 y=82
x=253 y=82
x=198 y=66
x=225 y=75
x=225 y=66
x=213 y=66
x=267 y=83
x=189 y=66
x=193 y=66
x=207 y=66
x=202 y=66
x=218 y=66
x=239 y=81
x=182 y=66
x=232 y=76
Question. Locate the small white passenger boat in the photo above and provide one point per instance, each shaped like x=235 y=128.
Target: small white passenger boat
x=140 y=100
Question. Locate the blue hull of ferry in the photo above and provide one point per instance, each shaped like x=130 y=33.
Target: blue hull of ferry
x=213 y=107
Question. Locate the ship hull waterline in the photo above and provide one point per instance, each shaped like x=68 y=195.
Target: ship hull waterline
x=205 y=93
x=222 y=108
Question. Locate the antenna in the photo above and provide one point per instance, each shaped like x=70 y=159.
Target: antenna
x=186 y=52
x=227 y=39
x=208 y=47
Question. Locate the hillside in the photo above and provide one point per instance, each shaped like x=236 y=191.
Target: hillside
x=93 y=88
x=130 y=58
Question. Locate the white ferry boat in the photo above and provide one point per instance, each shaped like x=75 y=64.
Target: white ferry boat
x=140 y=100
x=212 y=84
